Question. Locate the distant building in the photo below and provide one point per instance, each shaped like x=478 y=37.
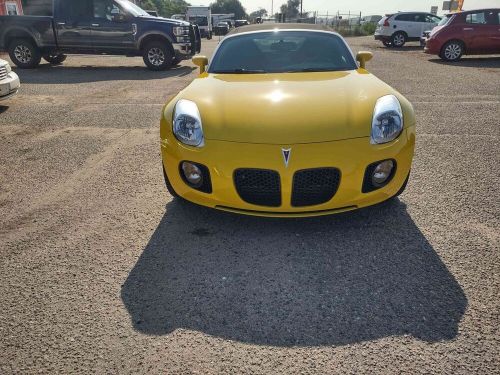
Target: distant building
x=11 y=7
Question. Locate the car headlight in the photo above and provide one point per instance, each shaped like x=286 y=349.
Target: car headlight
x=180 y=30
x=187 y=125
x=8 y=68
x=387 y=123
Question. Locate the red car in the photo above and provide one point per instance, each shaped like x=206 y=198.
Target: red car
x=473 y=32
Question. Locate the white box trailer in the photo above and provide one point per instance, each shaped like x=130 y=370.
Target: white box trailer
x=201 y=16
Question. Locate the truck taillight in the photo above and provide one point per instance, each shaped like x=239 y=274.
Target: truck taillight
x=386 y=22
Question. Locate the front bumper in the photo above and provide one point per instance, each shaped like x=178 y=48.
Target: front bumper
x=9 y=86
x=183 y=51
x=351 y=157
x=187 y=49
x=432 y=46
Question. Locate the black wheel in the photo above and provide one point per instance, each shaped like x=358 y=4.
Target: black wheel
x=452 y=51
x=157 y=56
x=398 y=39
x=24 y=53
x=387 y=43
x=168 y=184
x=54 y=58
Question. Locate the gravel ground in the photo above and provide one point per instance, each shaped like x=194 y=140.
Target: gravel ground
x=102 y=272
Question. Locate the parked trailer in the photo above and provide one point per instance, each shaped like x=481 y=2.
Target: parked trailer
x=201 y=16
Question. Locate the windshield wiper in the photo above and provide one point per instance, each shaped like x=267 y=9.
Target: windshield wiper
x=239 y=71
x=313 y=70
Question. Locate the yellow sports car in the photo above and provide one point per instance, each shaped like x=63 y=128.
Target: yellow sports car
x=285 y=121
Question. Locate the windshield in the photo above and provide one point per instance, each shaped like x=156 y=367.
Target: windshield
x=445 y=20
x=282 y=52
x=132 y=8
x=199 y=20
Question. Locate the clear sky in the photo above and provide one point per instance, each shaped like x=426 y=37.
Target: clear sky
x=367 y=7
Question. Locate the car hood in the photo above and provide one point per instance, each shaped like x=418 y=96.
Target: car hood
x=435 y=30
x=287 y=108
x=163 y=20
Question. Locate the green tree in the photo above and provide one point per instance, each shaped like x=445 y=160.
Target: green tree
x=165 y=8
x=261 y=12
x=229 y=6
x=291 y=9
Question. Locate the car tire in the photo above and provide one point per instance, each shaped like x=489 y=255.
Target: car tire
x=157 y=56
x=55 y=59
x=169 y=186
x=24 y=53
x=398 y=39
x=452 y=50
x=387 y=43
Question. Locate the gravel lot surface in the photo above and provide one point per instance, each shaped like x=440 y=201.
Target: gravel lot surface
x=101 y=272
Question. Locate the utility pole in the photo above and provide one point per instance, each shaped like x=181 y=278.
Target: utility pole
x=300 y=8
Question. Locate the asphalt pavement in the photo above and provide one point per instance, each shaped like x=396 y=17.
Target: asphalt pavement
x=101 y=271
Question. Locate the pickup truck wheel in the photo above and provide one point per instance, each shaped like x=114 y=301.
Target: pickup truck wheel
x=157 y=56
x=24 y=54
x=398 y=39
x=387 y=43
x=55 y=59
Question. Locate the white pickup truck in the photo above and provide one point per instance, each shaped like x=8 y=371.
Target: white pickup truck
x=9 y=81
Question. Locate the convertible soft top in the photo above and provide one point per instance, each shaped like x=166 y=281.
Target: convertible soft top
x=278 y=26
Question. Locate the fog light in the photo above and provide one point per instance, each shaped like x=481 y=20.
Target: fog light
x=382 y=173
x=192 y=174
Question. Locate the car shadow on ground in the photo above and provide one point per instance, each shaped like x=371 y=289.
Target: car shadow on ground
x=472 y=62
x=48 y=74
x=405 y=48
x=3 y=108
x=333 y=280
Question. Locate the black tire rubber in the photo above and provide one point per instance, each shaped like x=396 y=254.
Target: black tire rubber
x=167 y=56
x=458 y=43
x=387 y=43
x=169 y=186
x=396 y=44
x=55 y=59
x=35 y=55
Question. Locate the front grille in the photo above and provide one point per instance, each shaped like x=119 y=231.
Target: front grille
x=314 y=186
x=3 y=72
x=261 y=187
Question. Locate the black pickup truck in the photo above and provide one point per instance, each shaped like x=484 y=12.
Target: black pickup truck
x=113 y=27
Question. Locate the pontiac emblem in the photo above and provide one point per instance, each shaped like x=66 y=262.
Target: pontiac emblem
x=286 y=155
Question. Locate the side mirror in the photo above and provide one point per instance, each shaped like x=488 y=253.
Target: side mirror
x=200 y=61
x=119 y=17
x=362 y=57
